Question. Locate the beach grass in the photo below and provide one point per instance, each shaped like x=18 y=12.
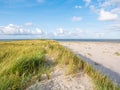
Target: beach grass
x=89 y=54
x=22 y=63
x=117 y=53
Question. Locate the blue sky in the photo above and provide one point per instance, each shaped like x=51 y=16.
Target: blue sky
x=81 y=19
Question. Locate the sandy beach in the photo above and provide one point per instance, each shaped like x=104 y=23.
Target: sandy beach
x=103 y=56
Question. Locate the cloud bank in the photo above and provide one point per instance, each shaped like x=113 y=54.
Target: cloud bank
x=12 y=29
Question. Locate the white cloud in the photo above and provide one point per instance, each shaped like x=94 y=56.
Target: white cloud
x=76 y=18
x=107 y=10
x=114 y=27
x=115 y=10
x=93 y=9
x=28 y=24
x=78 y=6
x=39 y=31
x=107 y=16
x=106 y=4
x=18 y=30
x=60 y=32
x=109 y=3
x=77 y=32
x=10 y=29
x=87 y=2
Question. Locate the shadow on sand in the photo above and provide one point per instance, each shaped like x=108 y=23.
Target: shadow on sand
x=114 y=76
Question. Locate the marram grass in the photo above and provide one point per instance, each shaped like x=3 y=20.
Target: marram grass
x=23 y=62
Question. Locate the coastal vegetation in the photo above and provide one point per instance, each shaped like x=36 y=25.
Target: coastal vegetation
x=89 y=54
x=22 y=63
x=117 y=53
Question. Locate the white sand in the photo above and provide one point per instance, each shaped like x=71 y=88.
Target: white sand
x=100 y=54
x=59 y=81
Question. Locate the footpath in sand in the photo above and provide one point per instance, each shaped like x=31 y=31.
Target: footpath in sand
x=103 y=56
x=60 y=81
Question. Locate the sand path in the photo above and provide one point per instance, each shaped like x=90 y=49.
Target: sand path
x=59 y=81
x=101 y=55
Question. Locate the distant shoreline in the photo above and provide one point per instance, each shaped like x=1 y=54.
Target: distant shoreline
x=70 y=40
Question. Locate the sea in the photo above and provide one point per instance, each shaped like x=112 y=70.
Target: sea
x=70 y=40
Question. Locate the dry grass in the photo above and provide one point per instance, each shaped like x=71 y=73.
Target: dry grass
x=117 y=53
x=89 y=54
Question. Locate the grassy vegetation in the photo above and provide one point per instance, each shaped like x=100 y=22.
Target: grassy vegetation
x=89 y=54
x=117 y=53
x=24 y=62
x=21 y=62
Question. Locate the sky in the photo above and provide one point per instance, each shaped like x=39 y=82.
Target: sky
x=60 y=19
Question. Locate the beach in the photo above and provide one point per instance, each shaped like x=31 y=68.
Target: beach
x=51 y=65
x=103 y=56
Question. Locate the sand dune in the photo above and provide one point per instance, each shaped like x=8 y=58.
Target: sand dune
x=101 y=55
x=60 y=81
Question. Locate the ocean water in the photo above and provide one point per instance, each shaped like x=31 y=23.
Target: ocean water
x=71 y=40
x=88 y=40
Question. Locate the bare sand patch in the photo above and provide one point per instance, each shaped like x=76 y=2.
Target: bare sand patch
x=60 y=81
x=101 y=55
